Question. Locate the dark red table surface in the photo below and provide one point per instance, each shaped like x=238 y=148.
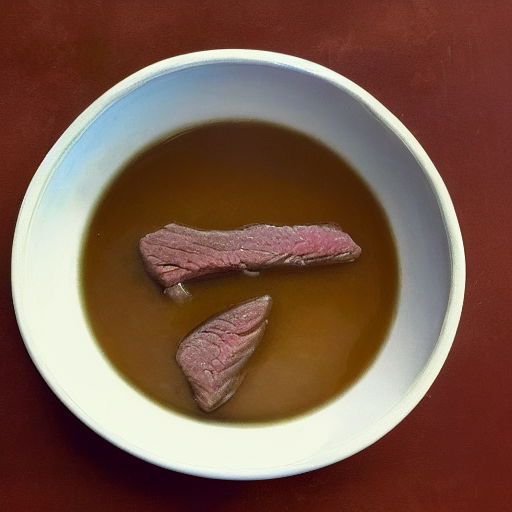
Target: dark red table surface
x=445 y=69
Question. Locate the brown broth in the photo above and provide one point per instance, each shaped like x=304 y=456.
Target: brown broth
x=327 y=323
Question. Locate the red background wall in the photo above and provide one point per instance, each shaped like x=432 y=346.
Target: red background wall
x=444 y=68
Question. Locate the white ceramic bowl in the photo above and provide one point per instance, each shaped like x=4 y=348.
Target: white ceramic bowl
x=164 y=98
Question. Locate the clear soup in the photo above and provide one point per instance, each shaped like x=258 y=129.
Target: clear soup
x=327 y=323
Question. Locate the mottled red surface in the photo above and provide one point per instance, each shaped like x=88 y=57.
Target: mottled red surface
x=445 y=68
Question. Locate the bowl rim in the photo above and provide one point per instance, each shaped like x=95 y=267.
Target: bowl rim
x=442 y=347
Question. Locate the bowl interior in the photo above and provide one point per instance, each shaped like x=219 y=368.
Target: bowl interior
x=166 y=98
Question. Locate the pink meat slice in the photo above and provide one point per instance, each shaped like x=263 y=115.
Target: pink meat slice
x=214 y=355
x=176 y=254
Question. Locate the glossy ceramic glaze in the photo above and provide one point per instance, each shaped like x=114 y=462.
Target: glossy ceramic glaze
x=165 y=98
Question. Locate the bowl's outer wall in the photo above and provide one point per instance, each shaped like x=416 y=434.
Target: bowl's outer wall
x=165 y=98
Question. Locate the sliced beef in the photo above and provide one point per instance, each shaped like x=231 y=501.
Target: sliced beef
x=213 y=356
x=177 y=253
